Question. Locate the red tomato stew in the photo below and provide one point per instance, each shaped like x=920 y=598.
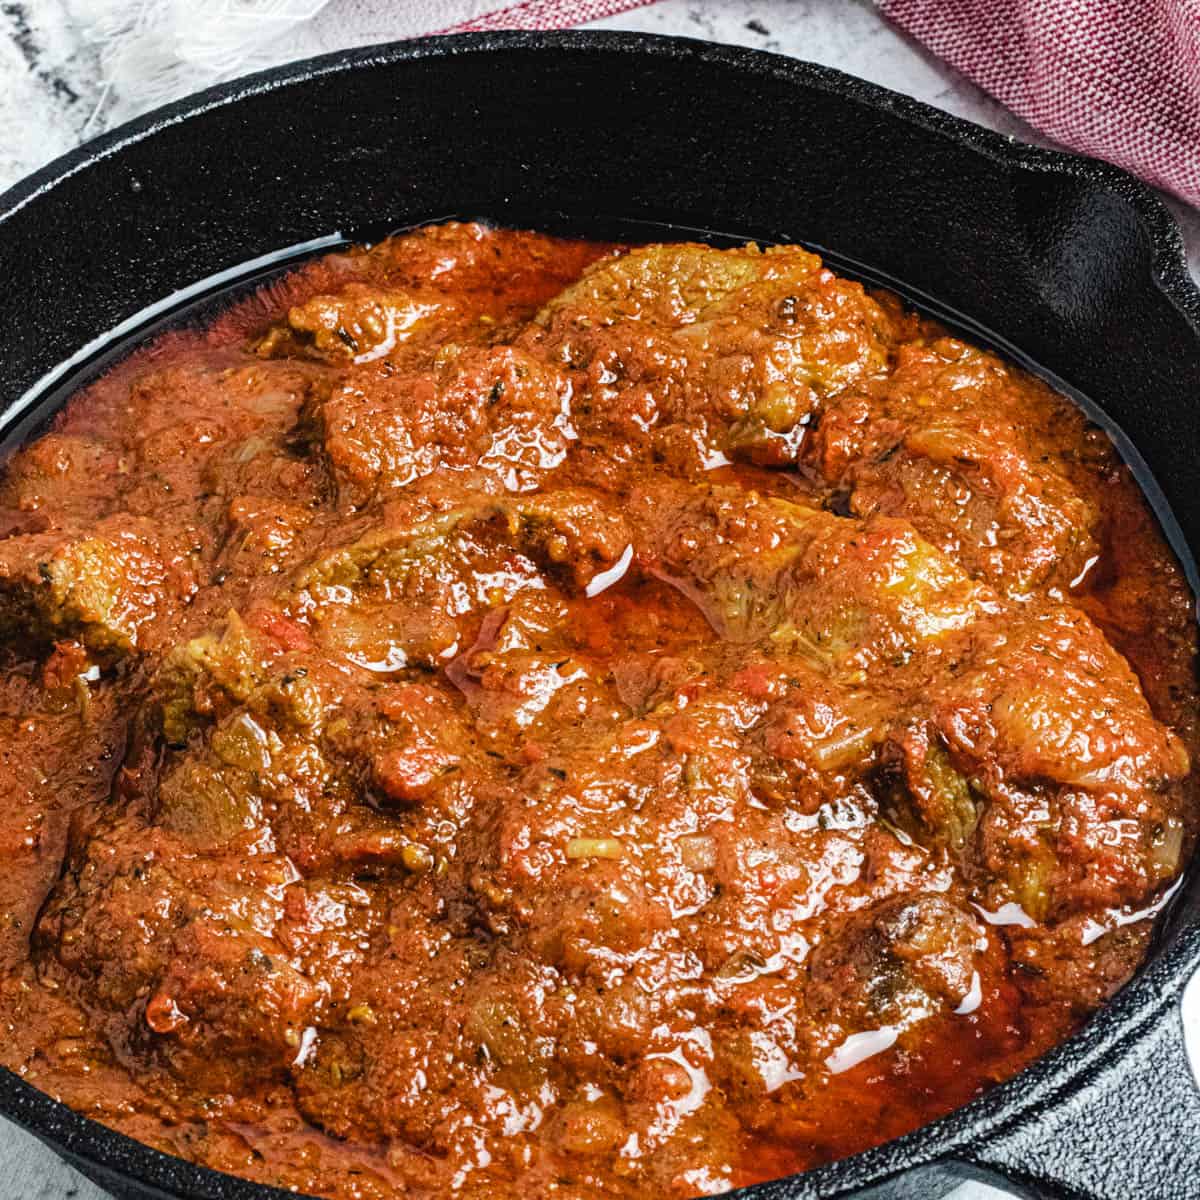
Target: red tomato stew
x=504 y=716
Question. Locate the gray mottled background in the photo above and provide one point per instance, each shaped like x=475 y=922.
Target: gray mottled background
x=53 y=95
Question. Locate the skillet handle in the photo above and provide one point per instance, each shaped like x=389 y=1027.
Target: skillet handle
x=1127 y=1130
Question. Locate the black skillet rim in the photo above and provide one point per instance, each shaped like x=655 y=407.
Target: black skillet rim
x=1139 y=1004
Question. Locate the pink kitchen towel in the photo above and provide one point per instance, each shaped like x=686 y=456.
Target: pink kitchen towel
x=1118 y=79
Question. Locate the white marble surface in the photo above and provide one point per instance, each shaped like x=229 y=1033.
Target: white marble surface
x=50 y=96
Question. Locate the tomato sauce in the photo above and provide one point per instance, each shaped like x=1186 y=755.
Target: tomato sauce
x=504 y=716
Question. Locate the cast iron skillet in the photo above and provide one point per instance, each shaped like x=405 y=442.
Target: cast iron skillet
x=1066 y=261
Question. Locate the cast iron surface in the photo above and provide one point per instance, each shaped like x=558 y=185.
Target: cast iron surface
x=1067 y=260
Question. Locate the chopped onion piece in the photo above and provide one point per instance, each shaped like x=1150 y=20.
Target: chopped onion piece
x=699 y=852
x=583 y=847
